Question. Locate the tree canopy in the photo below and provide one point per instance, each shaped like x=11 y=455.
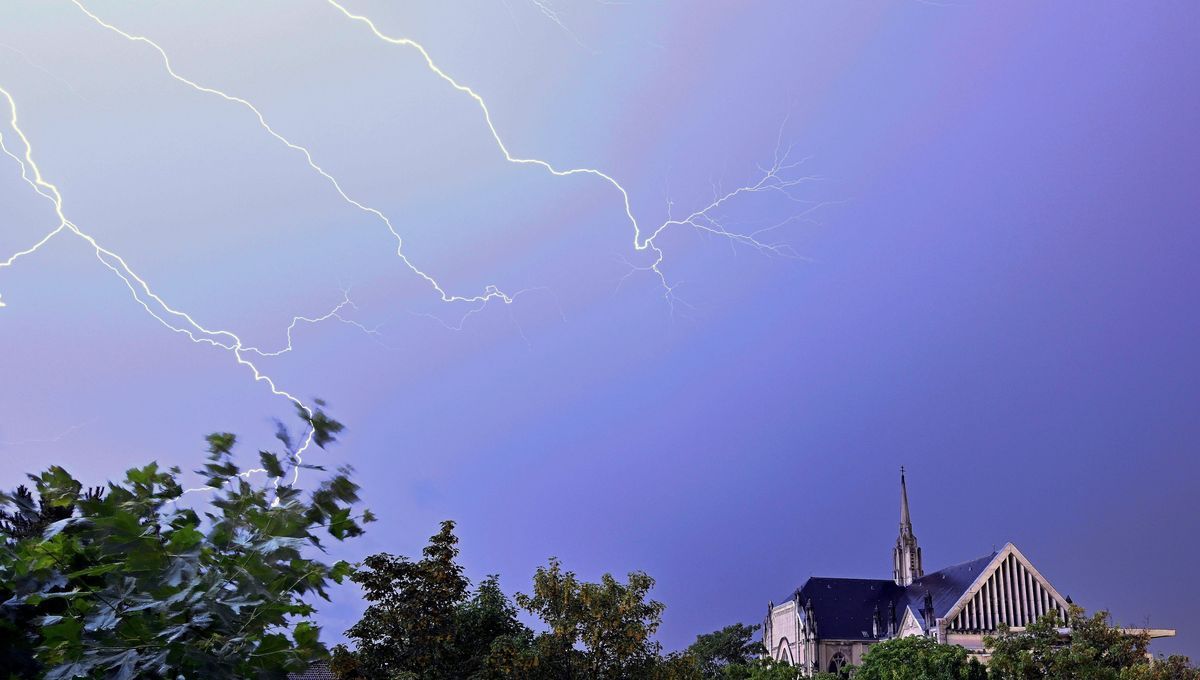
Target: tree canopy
x=1081 y=647
x=425 y=622
x=126 y=582
x=918 y=658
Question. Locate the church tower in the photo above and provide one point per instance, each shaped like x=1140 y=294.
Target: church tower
x=906 y=558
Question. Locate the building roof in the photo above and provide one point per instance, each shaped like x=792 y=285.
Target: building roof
x=319 y=670
x=946 y=585
x=844 y=608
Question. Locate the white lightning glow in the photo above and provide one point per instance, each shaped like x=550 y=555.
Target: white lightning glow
x=335 y=314
x=548 y=10
x=779 y=177
x=45 y=71
x=490 y=292
x=171 y=318
x=704 y=219
x=774 y=178
x=54 y=439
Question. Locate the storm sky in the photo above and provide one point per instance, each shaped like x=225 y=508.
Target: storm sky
x=983 y=269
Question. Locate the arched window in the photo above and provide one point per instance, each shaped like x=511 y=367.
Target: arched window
x=785 y=652
x=836 y=663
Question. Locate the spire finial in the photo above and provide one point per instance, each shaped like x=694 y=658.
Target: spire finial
x=906 y=558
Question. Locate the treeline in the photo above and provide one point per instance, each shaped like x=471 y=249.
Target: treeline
x=426 y=623
x=125 y=581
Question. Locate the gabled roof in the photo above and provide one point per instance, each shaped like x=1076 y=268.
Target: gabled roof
x=946 y=585
x=319 y=670
x=1009 y=550
x=844 y=608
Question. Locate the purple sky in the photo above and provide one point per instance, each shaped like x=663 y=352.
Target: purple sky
x=997 y=287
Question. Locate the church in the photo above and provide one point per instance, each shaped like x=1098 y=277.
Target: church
x=830 y=622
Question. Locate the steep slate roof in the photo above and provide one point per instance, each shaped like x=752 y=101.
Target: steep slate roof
x=946 y=585
x=317 y=671
x=845 y=607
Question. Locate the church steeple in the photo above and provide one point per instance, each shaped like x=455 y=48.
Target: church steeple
x=906 y=557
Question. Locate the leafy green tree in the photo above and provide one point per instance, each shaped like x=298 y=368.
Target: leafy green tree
x=918 y=658
x=1170 y=668
x=676 y=666
x=24 y=518
x=597 y=630
x=1083 y=647
x=28 y=517
x=409 y=628
x=767 y=669
x=127 y=583
x=487 y=628
x=732 y=653
x=423 y=621
x=727 y=653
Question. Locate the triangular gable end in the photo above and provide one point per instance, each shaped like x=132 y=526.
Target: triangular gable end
x=910 y=625
x=1009 y=591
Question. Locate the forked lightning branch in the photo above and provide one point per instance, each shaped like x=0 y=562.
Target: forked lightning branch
x=781 y=176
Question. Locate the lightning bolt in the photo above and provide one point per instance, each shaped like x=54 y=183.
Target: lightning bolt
x=550 y=12
x=708 y=219
x=46 y=440
x=36 y=66
x=335 y=314
x=704 y=219
x=173 y=319
x=490 y=292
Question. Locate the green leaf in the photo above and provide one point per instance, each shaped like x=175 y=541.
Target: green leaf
x=306 y=635
x=184 y=538
x=341 y=570
x=271 y=463
x=220 y=444
x=65 y=630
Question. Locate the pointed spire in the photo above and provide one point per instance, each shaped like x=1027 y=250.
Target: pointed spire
x=906 y=558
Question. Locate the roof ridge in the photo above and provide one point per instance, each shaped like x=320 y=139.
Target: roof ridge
x=965 y=562
x=851 y=578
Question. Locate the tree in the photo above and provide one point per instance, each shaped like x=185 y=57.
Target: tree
x=487 y=629
x=128 y=583
x=726 y=653
x=27 y=519
x=1170 y=668
x=918 y=658
x=409 y=626
x=613 y=622
x=423 y=622
x=732 y=653
x=767 y=669
x=1082 y=647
